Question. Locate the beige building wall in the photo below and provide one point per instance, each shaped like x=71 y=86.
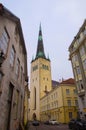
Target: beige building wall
x=34 y=90
x=13 y=80
x=45 y=76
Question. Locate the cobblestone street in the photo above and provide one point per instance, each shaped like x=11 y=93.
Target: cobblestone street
x=48 y=127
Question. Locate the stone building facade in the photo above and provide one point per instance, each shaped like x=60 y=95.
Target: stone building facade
x=13 y=70
x=77 y=56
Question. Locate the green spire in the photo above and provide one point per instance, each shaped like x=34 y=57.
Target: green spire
x=40 y=47
x=40 y=27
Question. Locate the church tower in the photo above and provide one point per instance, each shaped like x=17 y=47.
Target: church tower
x=40 y=78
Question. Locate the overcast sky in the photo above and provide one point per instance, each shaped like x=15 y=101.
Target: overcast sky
x=60 y=21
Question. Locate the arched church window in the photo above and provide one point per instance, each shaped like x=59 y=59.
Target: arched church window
x=45 y=88
x=34 y=98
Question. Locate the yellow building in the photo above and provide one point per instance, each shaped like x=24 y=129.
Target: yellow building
x=26 y=104
x=77 y=56
x=60 y=103
x=40 y=78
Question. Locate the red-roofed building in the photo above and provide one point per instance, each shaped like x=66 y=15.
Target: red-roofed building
x=68 y=81
x=61 y=102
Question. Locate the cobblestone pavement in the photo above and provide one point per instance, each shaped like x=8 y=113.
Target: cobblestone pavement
x=48 y=127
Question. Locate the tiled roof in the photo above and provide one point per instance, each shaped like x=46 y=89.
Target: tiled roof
x=55 y=83
x=68 y=81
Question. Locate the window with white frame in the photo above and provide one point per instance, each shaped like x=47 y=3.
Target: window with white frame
x=81 y=84
x=75 y=91
x=70 y=115
x=83 y=101
x=4 y=39
x=56 y=103
x=12 y=56
x=67 y=91
x=22 y=74
x=78 y=85
x=82 y=50
x=17 y=67
x=84 y=64
x=78 y=70
x=69 y=102
x=76 y=103
x=75 y=74
x=74 y=58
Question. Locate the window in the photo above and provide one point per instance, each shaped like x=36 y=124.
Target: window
x=85 y=31
x=78 y=70
x=52 y=104
x=52 y=97
x=76 y=103
x=34 y=95
x=75 y=91
x=78 y=85
x=83 y=101
x=67 y=91
x=82 y=50
x=70 y=115
x=1 y=75
x=35 y=67
x=46 y=88
x=21 y=73
x=69 y=102
x=84 y=64
x=4 y=41
x=12 y=56
x=56 y=103
x=76 y=58
x=17 y=67
x=56 y=94
x=15 y=104
x=75 y=73
x=81 y=84
x=45 y=67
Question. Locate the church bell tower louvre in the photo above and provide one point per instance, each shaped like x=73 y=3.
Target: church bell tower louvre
x=40 y=78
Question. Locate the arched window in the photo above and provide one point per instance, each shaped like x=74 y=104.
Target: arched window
x=34 y=98
x=45 y=88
